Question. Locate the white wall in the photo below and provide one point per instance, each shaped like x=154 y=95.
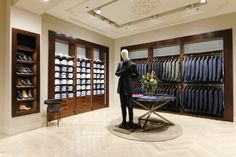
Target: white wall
x=27 y=21
x=57 y=25
x=2 y=51
x=197 y=27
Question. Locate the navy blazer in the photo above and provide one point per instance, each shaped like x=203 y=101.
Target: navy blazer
x=196 y=107
x=183 y=68
x=201 y=97
x=219 y=69
x=193 y=66
x=210 y=71
x=189 y=63
x=177 y=72
x=192 y=105
x=189 y=98
x=221 y=102
x=216 y=101
x=205 y=101
x=210 y=101
x=214 y=69
x=197 y=70
x=206 y=69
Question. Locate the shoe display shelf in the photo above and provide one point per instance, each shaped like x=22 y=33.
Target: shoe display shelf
x=25 y=72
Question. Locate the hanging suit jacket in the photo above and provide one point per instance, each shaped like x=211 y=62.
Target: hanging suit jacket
x=201 y=69
x=126 y=71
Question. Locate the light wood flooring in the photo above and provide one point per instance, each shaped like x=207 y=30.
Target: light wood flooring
x=85 y=135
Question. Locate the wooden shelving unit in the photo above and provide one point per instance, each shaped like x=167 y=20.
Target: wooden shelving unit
x=86 y=94
x=226 y=52
x=25 y=72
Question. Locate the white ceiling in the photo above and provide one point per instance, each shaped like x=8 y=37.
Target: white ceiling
x=121 y=18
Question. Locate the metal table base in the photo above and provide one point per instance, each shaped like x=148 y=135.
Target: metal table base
x=151 y=108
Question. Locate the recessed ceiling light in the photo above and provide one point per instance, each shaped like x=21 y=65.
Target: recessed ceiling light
x=98 y=11
x=203 y=1
x=45 y=0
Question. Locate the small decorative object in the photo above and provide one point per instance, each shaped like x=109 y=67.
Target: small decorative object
x=150 y=82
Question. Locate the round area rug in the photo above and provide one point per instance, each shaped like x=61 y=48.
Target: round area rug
x=154 y=135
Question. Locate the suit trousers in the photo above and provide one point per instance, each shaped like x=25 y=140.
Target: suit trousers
x=125 y=101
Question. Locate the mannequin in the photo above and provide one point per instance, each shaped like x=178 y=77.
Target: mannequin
x=127 y=72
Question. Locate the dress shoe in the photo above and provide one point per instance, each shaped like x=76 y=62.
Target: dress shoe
x=18 y=69
x=28 y=82
x=123 y=125
x=130 y=125
x=24 y=108
x=30 y=94
x=19 y=82
x=29 y=58
x=28 y=69
x=24 y=94
x=24 y=82
x=18 y=95
x=25 y=57
x=23 y=70
x=20 y=57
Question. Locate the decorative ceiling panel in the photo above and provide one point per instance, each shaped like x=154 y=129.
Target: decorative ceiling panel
x=121 y=18
x=125 y=11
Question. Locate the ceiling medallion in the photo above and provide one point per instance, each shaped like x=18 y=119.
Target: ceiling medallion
x=141 y=7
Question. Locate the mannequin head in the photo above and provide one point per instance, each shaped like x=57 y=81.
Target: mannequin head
x=125 y=54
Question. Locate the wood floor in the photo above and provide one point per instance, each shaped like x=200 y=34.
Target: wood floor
x=85 y=135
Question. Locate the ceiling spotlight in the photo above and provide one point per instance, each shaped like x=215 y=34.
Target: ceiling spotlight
x=203 y=1
x=98 y=11
x=45 y=0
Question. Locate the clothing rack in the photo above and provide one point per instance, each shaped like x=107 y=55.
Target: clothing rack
x=206 y=53
x=170 y=84
x=204 y=85
x=197 y=83
x=168 y=57
x=140 y=60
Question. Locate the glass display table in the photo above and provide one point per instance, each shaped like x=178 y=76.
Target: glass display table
x=152 y=104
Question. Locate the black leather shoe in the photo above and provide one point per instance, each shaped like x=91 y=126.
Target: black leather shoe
x=18 y=95
x=130 y=125
x=123 y=125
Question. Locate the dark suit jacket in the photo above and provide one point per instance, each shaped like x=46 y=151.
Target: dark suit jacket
x=127 y=74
